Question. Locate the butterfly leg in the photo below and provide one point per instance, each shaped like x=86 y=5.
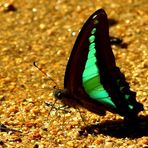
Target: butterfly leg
x=52 y=105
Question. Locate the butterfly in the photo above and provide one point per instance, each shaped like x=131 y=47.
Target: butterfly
x=92 y=79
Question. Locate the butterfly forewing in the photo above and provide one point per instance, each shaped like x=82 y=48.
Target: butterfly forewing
x=78 y=57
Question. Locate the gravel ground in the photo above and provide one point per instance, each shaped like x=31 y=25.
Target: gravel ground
x=44 y=31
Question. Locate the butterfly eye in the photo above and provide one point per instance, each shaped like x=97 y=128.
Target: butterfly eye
x=58 y=94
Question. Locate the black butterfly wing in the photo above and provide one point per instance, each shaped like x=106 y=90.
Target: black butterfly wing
x=78 y=57
x=111 y=77
x=76 y=64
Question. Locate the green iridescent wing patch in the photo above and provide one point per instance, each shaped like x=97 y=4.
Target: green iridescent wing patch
x=91 y=77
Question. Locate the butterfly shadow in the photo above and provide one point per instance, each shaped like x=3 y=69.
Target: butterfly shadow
x=119 y=128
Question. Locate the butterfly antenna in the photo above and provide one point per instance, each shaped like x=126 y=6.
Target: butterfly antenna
x=55 y=86
x=40 y=69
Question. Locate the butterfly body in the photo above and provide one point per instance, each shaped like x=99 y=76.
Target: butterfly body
x=92 y=79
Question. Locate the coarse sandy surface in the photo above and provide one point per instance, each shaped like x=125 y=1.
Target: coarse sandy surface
x=45 y=31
